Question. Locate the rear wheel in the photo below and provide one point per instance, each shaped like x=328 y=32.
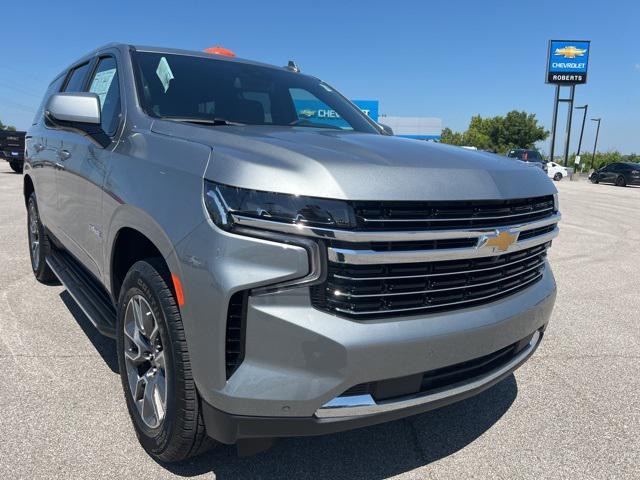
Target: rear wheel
x=155 y=367
x=621 y=182
x=557 y=177
x=16 y=167
x=39 y=245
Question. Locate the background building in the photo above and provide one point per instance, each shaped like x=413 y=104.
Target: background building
x=421 y=128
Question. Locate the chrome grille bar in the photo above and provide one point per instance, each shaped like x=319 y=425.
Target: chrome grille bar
x=354 y=236
x=367 y=257
x=459 y=272
x=418 y=292
x=440 y=305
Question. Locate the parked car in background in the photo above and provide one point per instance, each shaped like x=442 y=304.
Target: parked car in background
x=529 y=156
x=556 y=171
x=267 y=274
x=12 y=149
x=619 y=173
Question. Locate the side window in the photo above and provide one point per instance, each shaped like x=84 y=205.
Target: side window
x=54 y=87
x=76 y=80
x=105 y=84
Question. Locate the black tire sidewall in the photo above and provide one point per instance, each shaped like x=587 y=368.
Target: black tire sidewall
x=557 y=177
x=40 y=272
x=138 y=282
x=621 y=182
x=16 y=167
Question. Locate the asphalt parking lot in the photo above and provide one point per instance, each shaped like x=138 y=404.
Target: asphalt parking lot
x=573 y=411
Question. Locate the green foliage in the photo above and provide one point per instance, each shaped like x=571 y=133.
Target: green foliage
x=499 y=134
x=10 y=128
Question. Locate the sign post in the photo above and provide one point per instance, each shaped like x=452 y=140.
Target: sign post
x=567 y=65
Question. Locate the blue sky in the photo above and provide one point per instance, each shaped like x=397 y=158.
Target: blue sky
x=447 y=59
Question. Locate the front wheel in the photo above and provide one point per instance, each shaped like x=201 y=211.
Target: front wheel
x=39 y=245
x=557 y=177
x=595 y=178
x=621 y=182
x=155 y=367
x=16 y=167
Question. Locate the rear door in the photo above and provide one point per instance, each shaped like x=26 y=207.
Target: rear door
x=81 y=179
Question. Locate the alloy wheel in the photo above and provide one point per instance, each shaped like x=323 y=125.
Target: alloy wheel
x=145 y=361
x=34 y=235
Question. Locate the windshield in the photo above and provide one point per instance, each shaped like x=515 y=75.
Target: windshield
x=221 y=92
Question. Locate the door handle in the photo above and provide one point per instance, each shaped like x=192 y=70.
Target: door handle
x=64 y=155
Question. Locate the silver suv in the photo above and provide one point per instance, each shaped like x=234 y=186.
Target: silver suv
x=271 y=272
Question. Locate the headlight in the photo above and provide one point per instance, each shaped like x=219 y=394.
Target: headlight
x=223 y=202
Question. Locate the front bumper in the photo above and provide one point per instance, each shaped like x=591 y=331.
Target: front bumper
x=347 y=414
x=299 y=359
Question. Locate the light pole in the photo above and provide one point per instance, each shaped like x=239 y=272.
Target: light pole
x=595 y=144
x=584 y=118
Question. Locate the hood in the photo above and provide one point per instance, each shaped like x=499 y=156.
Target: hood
x=356 y=166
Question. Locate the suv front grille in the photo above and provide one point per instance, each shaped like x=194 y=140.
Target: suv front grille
x=375 y=291
x=460 y=214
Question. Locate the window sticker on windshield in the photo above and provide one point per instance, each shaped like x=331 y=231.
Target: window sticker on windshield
x=164 y=73
x=101 y=84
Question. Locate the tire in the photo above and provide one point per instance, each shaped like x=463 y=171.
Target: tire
x=621 y=182
x=175 y=430
x=16 y=167
x=595 y=178
x=557 y=177
x=39 y=244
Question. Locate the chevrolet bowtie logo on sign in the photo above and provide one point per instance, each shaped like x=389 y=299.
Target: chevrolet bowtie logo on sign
x=570 y=52
x=501 y=240
x=567 y=61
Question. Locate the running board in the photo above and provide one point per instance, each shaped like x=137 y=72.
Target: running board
x=84 y=289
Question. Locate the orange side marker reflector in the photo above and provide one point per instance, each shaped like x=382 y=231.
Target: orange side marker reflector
x=178 y=288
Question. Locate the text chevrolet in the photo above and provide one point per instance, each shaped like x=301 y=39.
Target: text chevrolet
x=270 y=273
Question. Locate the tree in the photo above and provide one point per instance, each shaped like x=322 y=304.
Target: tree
x=499 y=134
x=11 y=128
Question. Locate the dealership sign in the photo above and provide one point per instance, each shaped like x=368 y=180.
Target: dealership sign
x=567 y=61
x=319 y=112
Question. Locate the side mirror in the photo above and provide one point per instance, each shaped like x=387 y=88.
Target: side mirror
x=77 y=111
x=386 y=129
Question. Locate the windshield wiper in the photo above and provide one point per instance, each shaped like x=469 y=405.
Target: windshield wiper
x=205 y=121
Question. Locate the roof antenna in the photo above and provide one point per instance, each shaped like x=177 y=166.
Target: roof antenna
x=293 y=66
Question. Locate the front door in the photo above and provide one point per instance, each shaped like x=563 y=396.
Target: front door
x=84 y=163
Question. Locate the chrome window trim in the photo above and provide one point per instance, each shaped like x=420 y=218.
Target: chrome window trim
x=386 y=236
x=368 y=257
x=358 y=405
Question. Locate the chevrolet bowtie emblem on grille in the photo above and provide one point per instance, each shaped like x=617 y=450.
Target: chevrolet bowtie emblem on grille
x=570 y=52
x=500 y=240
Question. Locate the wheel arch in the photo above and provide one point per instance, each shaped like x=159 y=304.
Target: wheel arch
x=27 y=188
x=134 y=241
